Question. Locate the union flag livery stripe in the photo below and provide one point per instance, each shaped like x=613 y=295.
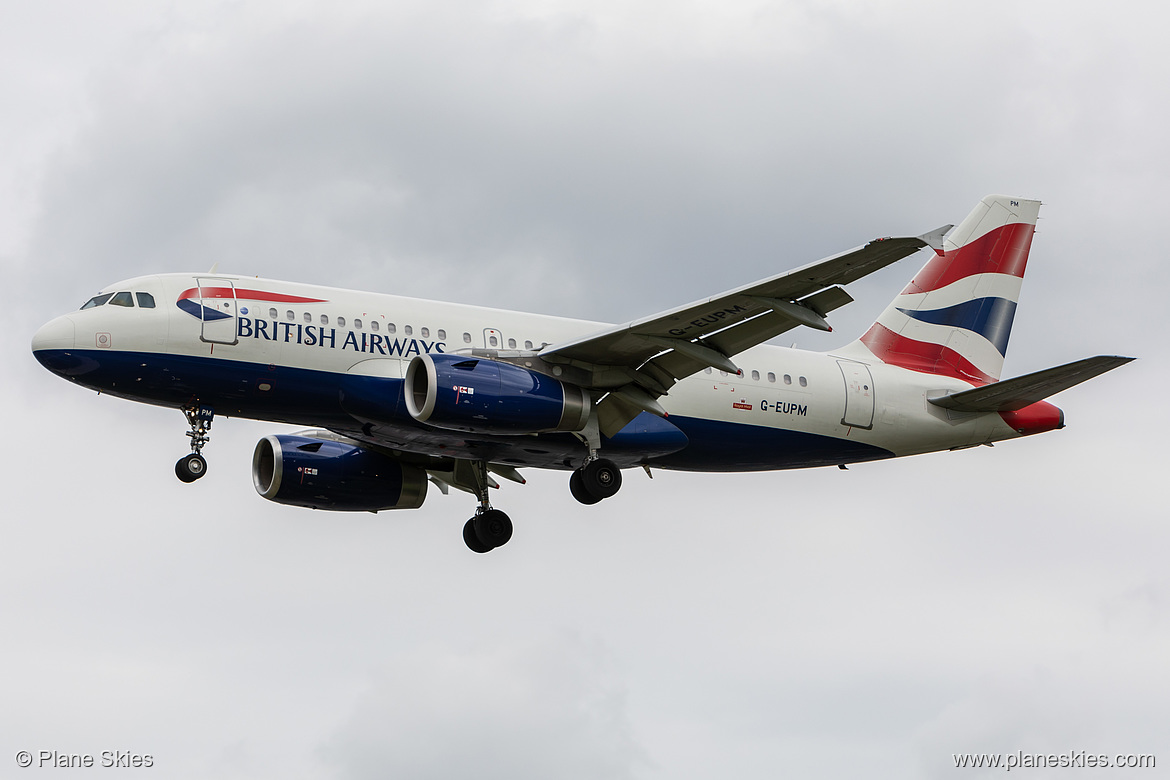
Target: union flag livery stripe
x=189 y=299
x=251 y=295
x=991 y=318
x=1003 y=250
x=922 y=356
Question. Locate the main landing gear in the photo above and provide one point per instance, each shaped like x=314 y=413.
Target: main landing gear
x=490 y=528
x=192 y=467
x=598 y=479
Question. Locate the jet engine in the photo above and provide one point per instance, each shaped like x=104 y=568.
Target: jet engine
x=487 y=396
x=325 y=474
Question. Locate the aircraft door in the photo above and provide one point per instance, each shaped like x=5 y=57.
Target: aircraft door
x=218 y=305
x=492 y=338
x=858 y=394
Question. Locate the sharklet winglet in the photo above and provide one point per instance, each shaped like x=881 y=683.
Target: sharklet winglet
x=934 y=239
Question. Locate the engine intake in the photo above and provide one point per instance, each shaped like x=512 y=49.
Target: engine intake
x=324 y=474
x=487 y=396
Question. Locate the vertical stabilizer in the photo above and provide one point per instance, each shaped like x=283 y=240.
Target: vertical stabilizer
x=955 y=317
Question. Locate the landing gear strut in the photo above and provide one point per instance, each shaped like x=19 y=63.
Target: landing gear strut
x=490 y=528
x=598 y=479
x=192 y=467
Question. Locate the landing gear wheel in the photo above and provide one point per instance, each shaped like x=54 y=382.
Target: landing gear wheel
x=190 y=467
x=601 y=478
x=471 y=540
x=577 y=488
x=492 y=528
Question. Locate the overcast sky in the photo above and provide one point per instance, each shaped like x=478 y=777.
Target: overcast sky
x=604 y=160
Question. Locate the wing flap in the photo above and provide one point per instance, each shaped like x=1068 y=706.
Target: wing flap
x=1014 y=394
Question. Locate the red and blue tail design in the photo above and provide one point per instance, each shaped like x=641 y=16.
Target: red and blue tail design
x=955 y=317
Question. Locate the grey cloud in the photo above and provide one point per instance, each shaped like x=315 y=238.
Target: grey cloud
x=474 y=140
x=537 y=709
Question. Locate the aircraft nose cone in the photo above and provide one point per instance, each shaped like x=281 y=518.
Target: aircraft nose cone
x=55 y=334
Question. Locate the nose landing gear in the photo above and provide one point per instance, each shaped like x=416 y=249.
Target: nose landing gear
x=192 y=467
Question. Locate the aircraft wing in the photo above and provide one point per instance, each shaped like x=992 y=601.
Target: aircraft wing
x=1011 y=395
x=639 y=361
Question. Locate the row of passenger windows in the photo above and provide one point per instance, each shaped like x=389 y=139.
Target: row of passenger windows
x=358 y=324
x=787 y=378
x=145 y=300
x=407 y=330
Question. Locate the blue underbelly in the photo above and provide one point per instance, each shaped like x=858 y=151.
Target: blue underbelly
x=725 y=446
x=349 y=403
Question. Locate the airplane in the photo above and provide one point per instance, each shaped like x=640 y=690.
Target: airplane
x=401 y=393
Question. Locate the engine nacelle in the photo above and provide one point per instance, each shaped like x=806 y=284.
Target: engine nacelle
x=487 y=396
x=323 y=474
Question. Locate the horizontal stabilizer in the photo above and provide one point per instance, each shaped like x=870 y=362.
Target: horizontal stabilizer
x=1014 y=394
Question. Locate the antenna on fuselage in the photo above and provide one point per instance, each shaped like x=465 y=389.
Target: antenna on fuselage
x=214 y=268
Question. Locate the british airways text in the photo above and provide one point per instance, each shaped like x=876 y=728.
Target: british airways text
x=314 y=335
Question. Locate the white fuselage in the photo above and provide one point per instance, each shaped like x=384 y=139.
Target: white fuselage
x=278 y=350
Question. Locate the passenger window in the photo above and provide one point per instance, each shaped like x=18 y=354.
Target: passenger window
x=771 y=377
x=511 y=343
x=803 y=382
x=707 y=370
x=755 y=375
x=722 y=373
x=426 y=333
x=407 y=330
x=527 y=345
x=442 y=334
x=357 y=324
x=288 y=315
x=493 y=341
x=272 y=313
x=374 y=325
x=97 y=300
x=787 y=379
x=145 y=300
x=390 y=328
x=341 y=322
x=308 y=317
x=324 y=319
x=122 y=299
x=466 y=338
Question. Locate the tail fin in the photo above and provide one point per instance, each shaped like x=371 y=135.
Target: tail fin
x=955 y=317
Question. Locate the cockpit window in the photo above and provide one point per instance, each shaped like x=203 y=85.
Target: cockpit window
x=97 y=300
x=122 y=299
x=145 y=300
